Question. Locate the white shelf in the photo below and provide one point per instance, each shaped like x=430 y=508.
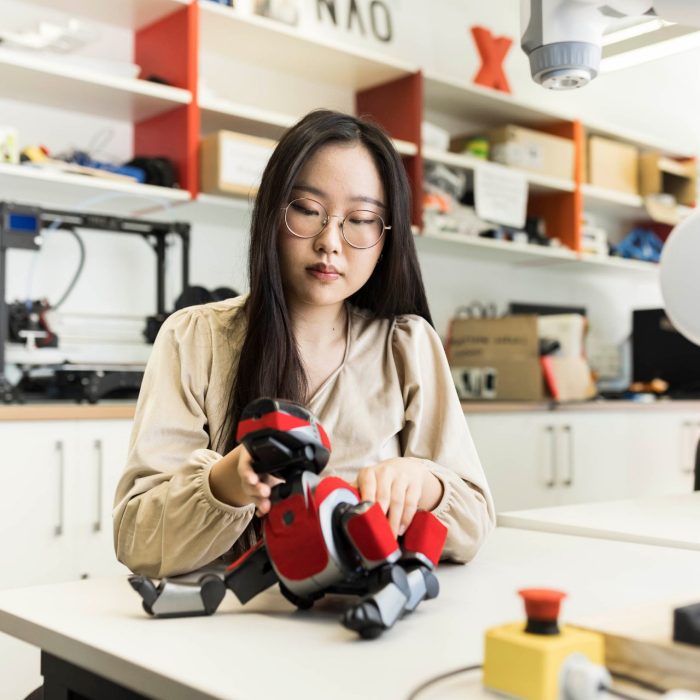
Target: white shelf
x=405 y=148
x=526 y=255
x=480 y=104
x=643 y=141
x=25 y=184
x=223 y=114
x=493 y=108
x=273 y=45
x=220 y=114
x=609 y=203
x=131 y=14
x=33 y=78
x=537 y=183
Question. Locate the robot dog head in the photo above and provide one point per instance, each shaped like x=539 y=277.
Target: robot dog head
x=283 y=437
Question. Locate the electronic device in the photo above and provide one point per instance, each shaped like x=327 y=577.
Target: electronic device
x=660 y=351
x=21 y=227
x=318 y=537
x=563 y=38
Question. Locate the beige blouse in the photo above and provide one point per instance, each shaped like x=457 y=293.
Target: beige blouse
x=392 y=396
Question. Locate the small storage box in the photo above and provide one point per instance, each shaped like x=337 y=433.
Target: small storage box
x=529 y=150
x=613 y=165
x=232 y=163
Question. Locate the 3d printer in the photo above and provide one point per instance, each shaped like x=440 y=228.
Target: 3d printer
x=25 y=324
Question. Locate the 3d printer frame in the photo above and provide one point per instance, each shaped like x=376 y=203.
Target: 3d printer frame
x=21 y=226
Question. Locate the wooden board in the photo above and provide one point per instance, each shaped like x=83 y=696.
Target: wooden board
x=639 y=643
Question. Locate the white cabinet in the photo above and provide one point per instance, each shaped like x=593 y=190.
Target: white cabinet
x=55 y=505
x=58 y=482
x=516 y=451
x=545 y=458
x=663 y=451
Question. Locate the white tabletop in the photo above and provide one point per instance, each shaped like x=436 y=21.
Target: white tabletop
x=266 y=650
x=669 y=521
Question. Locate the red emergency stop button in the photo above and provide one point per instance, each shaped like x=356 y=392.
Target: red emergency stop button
x=542 y=609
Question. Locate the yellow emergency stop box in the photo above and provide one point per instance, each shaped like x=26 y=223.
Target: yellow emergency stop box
x=528 y=665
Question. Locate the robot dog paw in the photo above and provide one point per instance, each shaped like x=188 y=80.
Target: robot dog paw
x=301 y=602
x=365 y=619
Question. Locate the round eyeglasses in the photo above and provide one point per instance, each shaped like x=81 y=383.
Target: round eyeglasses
x=306 y=218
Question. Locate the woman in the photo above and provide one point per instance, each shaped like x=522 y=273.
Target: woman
x=336 y=319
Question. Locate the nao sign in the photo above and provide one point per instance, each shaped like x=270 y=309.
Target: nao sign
x=366 y=17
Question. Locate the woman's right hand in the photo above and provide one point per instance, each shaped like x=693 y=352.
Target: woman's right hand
x=234 y=481
x=256 y=487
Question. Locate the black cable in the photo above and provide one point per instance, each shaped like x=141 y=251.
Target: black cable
x=443 y=676
x=81 y=264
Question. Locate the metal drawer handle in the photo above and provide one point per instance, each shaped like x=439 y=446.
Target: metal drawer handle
x=97 y=525
x=58 y=529
x=570 y=444
x=552 y=481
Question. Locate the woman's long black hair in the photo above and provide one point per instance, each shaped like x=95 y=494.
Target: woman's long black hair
x=269 y=363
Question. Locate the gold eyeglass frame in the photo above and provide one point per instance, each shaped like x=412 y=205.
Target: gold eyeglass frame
x=334 y=216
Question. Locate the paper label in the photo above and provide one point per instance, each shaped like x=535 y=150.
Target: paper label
x=242 y=162
x=500 y=195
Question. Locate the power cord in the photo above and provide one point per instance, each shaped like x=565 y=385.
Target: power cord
x=443 y=676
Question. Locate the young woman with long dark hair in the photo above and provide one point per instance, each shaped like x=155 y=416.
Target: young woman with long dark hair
x=336 y=319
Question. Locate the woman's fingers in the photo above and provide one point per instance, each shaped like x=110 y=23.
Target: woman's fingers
x=367 y=484
x=410 y=506
x=397 y=503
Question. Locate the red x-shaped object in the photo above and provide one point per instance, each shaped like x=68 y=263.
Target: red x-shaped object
x=493 y=50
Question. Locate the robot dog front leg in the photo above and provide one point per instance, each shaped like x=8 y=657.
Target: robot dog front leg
x=396 y=586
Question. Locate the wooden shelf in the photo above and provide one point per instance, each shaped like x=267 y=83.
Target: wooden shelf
x=132 y=14
x=273 y=45
x=33 y=78
x=537 y=183
x=22 y=183
x=526 y=255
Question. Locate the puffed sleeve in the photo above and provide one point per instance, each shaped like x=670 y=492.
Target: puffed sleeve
x=435 y=430
x=166 y=519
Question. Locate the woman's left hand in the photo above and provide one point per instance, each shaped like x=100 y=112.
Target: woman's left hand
x=401 y=486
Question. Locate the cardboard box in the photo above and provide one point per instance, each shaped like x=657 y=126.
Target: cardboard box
x=612 y=165
x=233 y=163
x=667 y=185
x=506 y=349
x=662 y=175
x=528 y=149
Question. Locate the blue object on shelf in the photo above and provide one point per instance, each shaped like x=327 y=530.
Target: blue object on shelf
x=640 y=244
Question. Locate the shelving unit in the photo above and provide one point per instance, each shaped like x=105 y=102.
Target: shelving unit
x=67 y=190
x=30 y=78
x=527 y=255
x=170 y=119
x=130 y=14
x=537 y=183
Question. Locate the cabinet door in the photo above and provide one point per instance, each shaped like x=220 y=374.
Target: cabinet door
x=594 y=456
x=37 y=503
x=518 y=453
x=102 y=447
x=664 y=445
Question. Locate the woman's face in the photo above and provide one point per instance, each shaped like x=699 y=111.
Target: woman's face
x=326 y=270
